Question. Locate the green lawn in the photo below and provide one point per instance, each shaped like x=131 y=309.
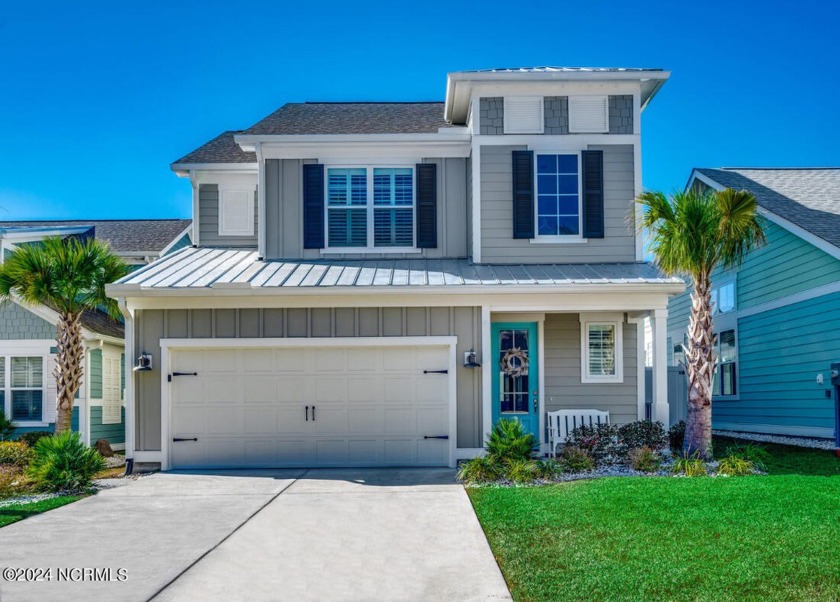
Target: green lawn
x=15 y=512
x=771 y=537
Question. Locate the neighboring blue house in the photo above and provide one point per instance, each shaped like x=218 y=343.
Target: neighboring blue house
x=774 y=314
x=27 y=333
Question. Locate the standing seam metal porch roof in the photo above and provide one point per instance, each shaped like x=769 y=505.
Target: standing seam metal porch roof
x=202 y=268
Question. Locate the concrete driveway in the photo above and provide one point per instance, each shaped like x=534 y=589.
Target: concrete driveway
x=351 y=534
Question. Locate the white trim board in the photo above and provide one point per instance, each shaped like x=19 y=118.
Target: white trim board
x=169 y=345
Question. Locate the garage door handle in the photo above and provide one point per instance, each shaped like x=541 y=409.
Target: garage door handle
x=307 y=413
x=185 y=438
x=169 y=377
x=435 y=436
x=313 y=413
x=435 y=371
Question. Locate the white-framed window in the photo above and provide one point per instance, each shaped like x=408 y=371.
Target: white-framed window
x=370 y=209
x=111 y=390
x=589 y=115
x=726 y=371
x=558 y=195
x=523 y=115
x=236 y=212
x=723 y=298
x=26 y=388
x=602 y=343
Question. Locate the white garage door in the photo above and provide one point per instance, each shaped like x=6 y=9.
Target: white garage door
x=309 y=406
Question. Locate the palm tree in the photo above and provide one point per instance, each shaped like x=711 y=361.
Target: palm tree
x=69 y=276
x=691 y=234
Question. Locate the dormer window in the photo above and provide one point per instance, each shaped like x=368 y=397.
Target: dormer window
x=370 y=208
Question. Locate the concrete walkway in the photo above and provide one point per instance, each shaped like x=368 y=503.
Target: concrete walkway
x=361 y=534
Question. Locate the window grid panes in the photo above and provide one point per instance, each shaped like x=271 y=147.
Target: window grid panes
x=370 y=207
x=346 y=207
x=601 y=341
x=558 y=200
x=27 y=388
x=393 y=213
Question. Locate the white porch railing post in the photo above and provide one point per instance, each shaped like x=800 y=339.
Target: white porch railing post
x=659 y=325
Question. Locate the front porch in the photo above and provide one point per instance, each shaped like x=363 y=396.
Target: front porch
x=592 y=360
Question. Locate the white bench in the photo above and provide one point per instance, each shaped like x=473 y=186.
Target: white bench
x=563 y=422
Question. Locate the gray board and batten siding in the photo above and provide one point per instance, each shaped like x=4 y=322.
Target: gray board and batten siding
x=154 y=325
x=497 y=242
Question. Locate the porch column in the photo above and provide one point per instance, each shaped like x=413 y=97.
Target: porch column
x=659 y=325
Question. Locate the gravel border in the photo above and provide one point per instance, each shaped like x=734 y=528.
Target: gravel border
x=827 y=444
x=32 y=498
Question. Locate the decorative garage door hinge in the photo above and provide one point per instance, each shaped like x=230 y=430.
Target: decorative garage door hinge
x=176 y=439
x=435 y=371
x=435 y=436
x=169 y=377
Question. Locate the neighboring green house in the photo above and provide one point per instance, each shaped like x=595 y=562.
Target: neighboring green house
x=773 y=315
x=27 y=334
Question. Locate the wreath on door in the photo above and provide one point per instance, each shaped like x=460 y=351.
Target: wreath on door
x=515 y=362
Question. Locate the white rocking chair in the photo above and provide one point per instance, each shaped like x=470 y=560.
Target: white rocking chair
x=563 y=422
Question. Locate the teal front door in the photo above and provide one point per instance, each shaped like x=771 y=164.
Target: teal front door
x=515 y=368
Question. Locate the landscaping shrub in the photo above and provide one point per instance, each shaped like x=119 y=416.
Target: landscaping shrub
x=676 y=436
x=575 y=459
x=548 y=469
x=643 y=434
x=6 y=426
x=15 y=453
x=32 y=437
x=644 y=459
x=600 y=442
x=520 y=471
x=689 y=465
x=476 y=471
x=510 y=441
x=756 y=454
x=64 y=462
x=735 y=466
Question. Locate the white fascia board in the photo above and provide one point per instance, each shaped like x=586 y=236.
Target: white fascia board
x=35 y=233
x=182 y=170
x=455 y=134
x=367 y=149
x=806 y=235
x=594 y=299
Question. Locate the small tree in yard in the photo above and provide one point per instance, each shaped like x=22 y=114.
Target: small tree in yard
x=69 y=276
x=691 y=234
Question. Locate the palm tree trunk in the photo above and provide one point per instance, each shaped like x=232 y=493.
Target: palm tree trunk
x=700 y=368
x=68 y=369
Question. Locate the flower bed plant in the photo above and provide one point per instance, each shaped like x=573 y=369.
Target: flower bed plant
x=634 y=449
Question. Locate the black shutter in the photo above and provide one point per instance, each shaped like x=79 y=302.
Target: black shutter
x=523 y=194
x=313 y=206
x=593 y=193
x=426 y=206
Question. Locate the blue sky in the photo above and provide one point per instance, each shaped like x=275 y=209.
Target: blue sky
x=98 y=98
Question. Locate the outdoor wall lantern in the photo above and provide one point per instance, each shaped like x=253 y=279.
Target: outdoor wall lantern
x=144 y=363
x=470 y=360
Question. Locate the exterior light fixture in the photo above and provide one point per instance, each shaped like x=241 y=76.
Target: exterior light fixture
x=469 y=359
x=144 y=363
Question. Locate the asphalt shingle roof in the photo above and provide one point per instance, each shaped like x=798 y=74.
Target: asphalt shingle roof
x=96 y=321
x=123 y=236
x=221 y=149
x=808 y=197
x=203 y=268
x=352 y=118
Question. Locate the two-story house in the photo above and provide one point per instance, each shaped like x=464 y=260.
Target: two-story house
x=375 y=284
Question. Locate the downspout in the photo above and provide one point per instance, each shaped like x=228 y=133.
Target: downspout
x=128 y=315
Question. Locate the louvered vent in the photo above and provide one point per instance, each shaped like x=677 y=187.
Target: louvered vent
x=523 y=115
x=236 y=213
x=589 y=115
